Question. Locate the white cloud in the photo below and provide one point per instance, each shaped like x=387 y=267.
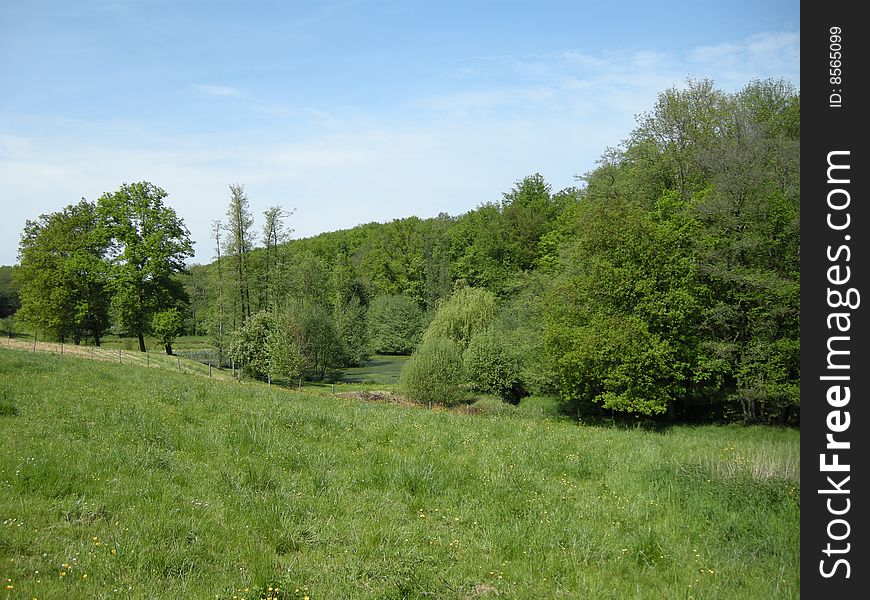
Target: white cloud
x=217 y=90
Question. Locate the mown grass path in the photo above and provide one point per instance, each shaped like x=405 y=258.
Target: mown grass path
x=122 y=482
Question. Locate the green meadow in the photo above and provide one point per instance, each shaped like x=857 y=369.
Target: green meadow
x=118 y=481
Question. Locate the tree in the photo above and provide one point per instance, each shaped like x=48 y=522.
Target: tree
x=9 y=298
x=149 y=243
x=274 y=234
x=323 y=346
x=167 y=325
x=288 y=347
x=251 y=344
x=216 y=324
x=240 y=243
x=468 y=311
x=395 y=324
x=62 y=277
x=528 y=212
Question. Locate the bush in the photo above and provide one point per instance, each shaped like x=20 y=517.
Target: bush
x=433 y=374
x=492 y=367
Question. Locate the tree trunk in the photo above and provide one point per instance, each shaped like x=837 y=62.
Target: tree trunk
x=141 y=342
x=169 y=349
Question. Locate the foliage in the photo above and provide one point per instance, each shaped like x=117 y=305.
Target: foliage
x=8 y=326
x=350 y=322
x=678 y=273
x=667 y=282
x=492 y=367
x=167 y=325
x=9 y=298
x=395 y=324
x=288 y=347
x=238 y=247
x=324 y=348
x=251 y=346
x=433 y=374
x=148 y=245
x=62 y=278
x=468 y=311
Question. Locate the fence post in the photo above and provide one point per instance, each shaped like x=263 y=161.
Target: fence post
x=178 y=363
x=147 y=359
x=119 y=355
x=61 y=347
x=269 y=378
x=209 y=368
x=299 y=387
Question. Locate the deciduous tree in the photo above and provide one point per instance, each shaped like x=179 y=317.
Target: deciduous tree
x=149 y=243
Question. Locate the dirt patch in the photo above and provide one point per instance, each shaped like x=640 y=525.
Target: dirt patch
x=377 y=396
x=482 y=589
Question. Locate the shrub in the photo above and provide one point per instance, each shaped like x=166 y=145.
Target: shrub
x=492 y=367
x=433 y=374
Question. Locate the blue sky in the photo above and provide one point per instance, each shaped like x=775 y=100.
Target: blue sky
x=348 y=112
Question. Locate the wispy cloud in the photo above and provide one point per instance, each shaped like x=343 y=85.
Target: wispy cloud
x=217 y=90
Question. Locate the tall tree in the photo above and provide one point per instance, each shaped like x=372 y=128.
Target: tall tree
x=274 y=234
x=217 y=328
x=62 y=276
x=149 y=243
x=239 y=244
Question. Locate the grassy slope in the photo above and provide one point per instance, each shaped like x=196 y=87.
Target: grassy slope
x=117 y=481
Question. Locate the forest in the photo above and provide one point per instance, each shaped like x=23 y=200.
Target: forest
x=665 y=285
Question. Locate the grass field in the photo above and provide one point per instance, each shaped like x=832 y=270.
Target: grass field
x=123 y=482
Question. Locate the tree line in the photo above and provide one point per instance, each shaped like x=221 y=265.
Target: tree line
x=666 y=283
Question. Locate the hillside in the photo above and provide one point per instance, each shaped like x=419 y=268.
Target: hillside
x=122 y=481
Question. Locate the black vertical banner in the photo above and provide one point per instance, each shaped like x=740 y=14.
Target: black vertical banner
x=835 y=300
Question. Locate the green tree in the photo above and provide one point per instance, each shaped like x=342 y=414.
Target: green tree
x=433 y=374
x=288 y=347
x=8 y=326
x=468 y=311
x=251 y=344
x=149 y=243
x=9 y=298
x=62 y=277
x=275 y=233
x=167 y=325
x=395 y=324
x=239 y=245
x=322 y=343
x=528 y=213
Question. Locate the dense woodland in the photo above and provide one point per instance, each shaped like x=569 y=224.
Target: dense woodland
x=666 y=284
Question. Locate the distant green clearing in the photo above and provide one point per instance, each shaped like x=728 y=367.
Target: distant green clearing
x=381 y=368
x=120 y=481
